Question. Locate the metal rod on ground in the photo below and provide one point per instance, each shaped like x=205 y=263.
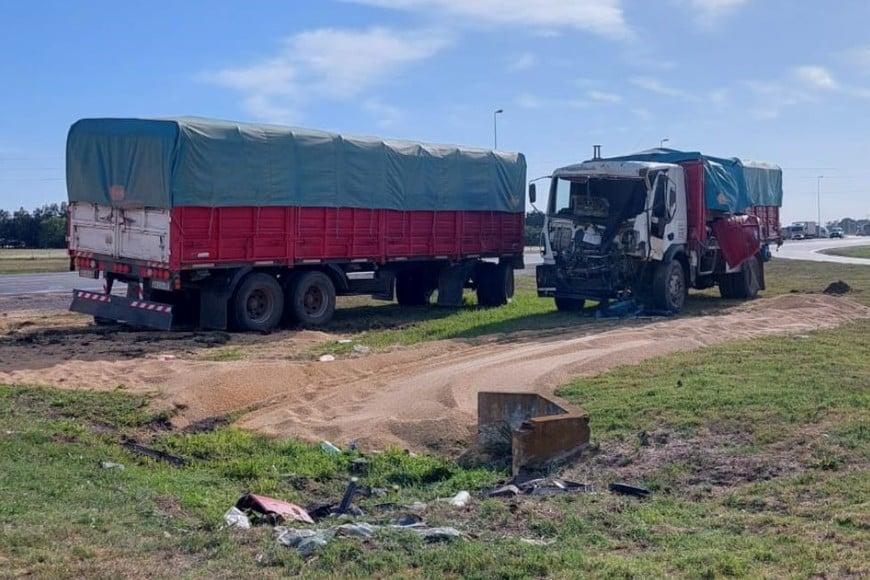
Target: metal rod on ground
x=348 y=496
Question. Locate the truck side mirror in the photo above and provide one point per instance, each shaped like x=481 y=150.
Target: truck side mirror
x=532 y=193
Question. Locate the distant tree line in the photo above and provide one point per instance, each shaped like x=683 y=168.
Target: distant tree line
x=44 y=227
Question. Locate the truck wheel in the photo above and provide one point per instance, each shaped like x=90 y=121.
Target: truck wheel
x=495 y=283
x=742 y=285
x=411 y=289
x=669 y=286
x=312 y=298
x=747 y=281
x=258 y=302
x=569 y=304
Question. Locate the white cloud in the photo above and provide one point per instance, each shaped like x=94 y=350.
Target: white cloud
x=710 y=12
x=522 y=62
x=643 y=114
x=656 y=86
x=604 y=97
x=860 y=59
x=603 y=17
x=387 y=116
x=800 y=85
x=326 y=63
x=817 y=77
x=530 y=101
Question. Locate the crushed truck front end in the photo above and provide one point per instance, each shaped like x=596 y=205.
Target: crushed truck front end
x=605 y=222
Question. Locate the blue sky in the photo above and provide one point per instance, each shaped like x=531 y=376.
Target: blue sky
x=780 y=81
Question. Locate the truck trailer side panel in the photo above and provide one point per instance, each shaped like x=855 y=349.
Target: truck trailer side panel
x=289 y=235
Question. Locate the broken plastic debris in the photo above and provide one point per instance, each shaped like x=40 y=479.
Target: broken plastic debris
x=509 y=490
x=326 y=358
x=236 y=518
x=628 y=489
x=165 y=356
x=112 y=465
x=330 y=448
x=461 y=499
x=344 y=341
x=273 y=507
x=361 y=348
x=361 y=530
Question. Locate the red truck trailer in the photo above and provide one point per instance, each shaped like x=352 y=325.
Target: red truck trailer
x=230 y=225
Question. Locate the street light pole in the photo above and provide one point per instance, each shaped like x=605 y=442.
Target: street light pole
x=495 y=127
x=819 y=205
x=662 y=143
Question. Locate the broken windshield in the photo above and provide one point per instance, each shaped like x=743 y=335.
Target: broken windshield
x=598 y=199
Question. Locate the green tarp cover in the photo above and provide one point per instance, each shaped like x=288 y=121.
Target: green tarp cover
x=199 y=162
x=730 y=184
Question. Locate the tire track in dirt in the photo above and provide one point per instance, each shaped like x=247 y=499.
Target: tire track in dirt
x=429 y=399
x=423 y=396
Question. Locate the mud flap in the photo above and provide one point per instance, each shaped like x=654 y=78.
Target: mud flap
x=451 y=282
x=123 y=309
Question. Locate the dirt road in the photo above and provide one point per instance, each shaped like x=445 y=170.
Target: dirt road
x=416 y=397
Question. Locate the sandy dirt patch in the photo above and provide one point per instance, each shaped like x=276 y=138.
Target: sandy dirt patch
x=421 y=397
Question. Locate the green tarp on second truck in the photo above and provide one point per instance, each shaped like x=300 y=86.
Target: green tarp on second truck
x=165 y=163
x=731 y=185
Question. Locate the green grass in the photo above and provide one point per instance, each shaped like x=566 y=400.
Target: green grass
x=33 y=261
x=859 y=252
x=759 y=466
x=765 y=474
x=379 y=325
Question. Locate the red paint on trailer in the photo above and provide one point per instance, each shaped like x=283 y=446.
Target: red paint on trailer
x=287 y=235
x=739 y=238
x=696 y=209
x=768 y=218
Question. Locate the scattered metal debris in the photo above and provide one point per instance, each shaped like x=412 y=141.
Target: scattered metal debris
x=626 y=489
x=352 y=487
x=326 y=358
x=153 y=453
x=273 y=509
x=534 y=430
x=509 y=490
x=540 y=487
x=309 y=542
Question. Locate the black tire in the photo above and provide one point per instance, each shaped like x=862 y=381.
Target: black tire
x=669 y=286
x=742 y=285
x=311 y=298
x=494 y=283
x=258 y=303
x=412 y=289
x=569 y=304
x=726 y=286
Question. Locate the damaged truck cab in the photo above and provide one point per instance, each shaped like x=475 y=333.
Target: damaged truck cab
x=640 y=227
